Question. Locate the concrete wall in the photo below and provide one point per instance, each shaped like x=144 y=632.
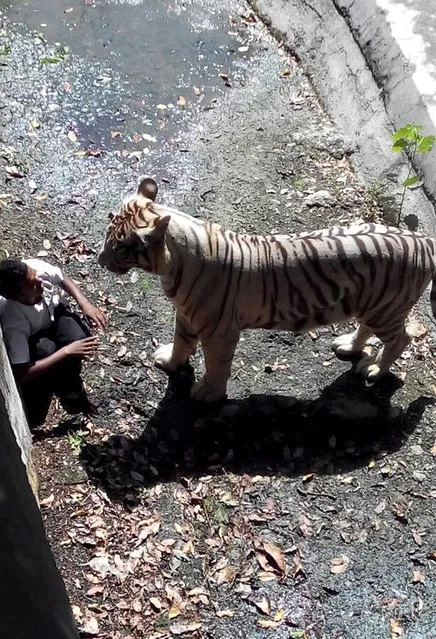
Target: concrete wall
x=33 y=598
x=347 y=49
x=407 y=84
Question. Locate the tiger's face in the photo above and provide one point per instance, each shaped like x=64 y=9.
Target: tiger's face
x=135 y=236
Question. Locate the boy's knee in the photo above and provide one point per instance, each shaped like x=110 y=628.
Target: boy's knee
x=70 y=329
x=44 y=348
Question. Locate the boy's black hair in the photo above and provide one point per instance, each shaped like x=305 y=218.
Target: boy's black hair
x=13 y=272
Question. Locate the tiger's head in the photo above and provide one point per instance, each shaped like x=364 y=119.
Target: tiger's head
x=135 y=236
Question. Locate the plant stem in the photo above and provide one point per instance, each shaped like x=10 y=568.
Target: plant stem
x=404 y=187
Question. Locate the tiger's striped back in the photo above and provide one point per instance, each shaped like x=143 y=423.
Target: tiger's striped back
x=298 y=282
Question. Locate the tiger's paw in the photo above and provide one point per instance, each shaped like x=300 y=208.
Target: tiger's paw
x=344 y=348
x=204 y=391
x=163 y=358
x=369 y=369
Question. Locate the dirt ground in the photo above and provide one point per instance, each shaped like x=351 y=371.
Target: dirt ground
x=305 y=504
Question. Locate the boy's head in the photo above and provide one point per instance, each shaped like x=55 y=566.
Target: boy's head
x=19 y=282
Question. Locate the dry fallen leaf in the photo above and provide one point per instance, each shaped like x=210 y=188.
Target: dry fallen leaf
x=339 y=564
x=399 y=510
x=148 y=137
x=418 y=577
x=263 y=605
x=47 y=501
x=226 y=575
x=156 y=603
x=100 y=565
x=95 y=153
x=181 y=101
x=174 y=611
x=72 y=136
x=417 y=537
x=76 y=612
x=95 y=590
x=266 y=576
x=268 y=623
x=224 y=613
x=183 y=626
x=396 y=629
x=347 y=480
x=416 y=329
x=225 y=78
x=90 y=626
x=285 y=73
x=275 y=556
x=13 y=172
x=149 y=529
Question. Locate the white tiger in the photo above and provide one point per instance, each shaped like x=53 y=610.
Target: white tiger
x=222 y=282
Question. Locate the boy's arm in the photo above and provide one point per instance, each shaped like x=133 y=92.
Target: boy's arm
x=31 y=370
x=28 y=371
x=89 y=310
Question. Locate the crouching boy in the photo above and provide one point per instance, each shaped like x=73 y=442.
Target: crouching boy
x=45 y=341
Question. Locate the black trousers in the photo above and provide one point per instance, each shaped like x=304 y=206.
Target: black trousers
x=63 y=380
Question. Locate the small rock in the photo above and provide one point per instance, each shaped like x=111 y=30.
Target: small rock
x=416 y=449
x=320 y=198
x=418 y=476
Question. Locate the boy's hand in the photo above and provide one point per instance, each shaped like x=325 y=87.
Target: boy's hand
x=95 y=315
x=82 y=347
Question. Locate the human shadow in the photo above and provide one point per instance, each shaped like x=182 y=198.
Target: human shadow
x=342 y=429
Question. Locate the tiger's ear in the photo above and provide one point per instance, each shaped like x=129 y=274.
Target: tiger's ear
x=161 y=225
x=147 y=188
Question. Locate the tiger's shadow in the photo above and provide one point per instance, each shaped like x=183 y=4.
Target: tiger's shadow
x=342 y=429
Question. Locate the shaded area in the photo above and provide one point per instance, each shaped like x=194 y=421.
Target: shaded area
x=264 y=434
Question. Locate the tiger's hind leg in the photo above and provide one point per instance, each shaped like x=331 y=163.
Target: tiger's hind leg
x=394 y=340
x=171 y=356
x=350 y=345
x=218 y=357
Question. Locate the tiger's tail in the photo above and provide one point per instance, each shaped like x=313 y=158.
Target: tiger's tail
x=433 y=295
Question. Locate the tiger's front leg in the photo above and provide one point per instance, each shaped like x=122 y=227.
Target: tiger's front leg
x=218 y=357
x=172 y=356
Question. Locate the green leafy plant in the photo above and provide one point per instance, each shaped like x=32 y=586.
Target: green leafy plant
x=410 y=140
x=144 y=283
x=60 y=52
x=4 y=50
x=76 y=441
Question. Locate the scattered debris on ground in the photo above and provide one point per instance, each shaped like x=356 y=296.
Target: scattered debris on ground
x=305 y=505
